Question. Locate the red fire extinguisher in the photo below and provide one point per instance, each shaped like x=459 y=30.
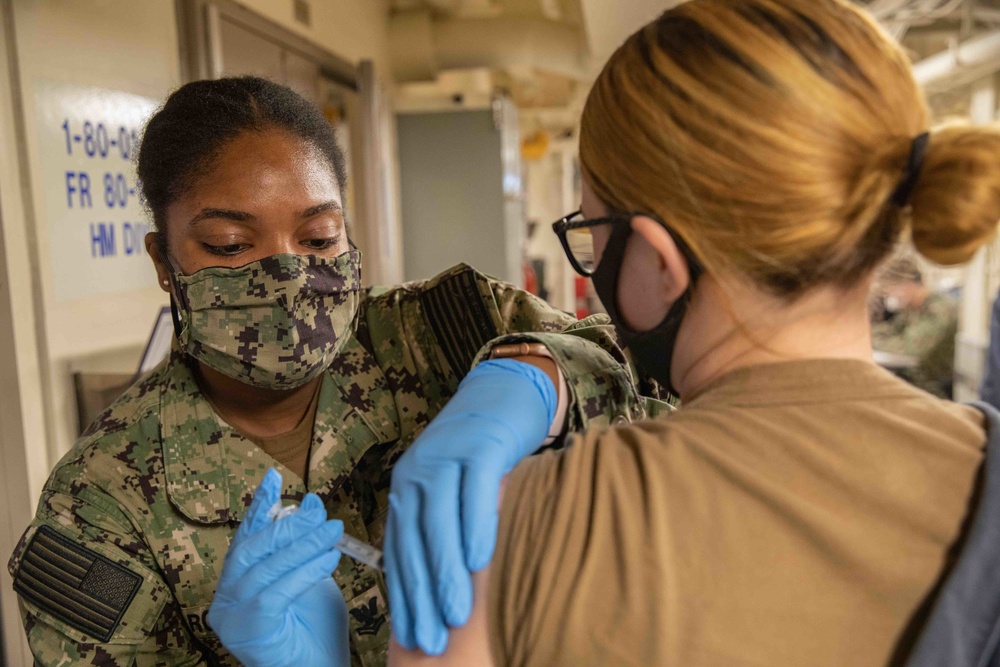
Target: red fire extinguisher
x=582 y=304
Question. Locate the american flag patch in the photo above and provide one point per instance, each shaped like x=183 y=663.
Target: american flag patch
x=74 y=584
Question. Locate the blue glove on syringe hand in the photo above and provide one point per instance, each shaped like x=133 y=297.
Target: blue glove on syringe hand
x=277 y=603
x=444 y=500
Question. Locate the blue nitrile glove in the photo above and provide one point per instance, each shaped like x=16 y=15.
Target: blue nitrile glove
x=277 y=603
x=444 y=501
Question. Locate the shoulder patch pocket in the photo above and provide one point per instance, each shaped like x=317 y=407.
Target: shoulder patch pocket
x=81 y=588
x=459 y=318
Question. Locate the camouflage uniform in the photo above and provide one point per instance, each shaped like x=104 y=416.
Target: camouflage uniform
x=927 y=334
x=120 y=565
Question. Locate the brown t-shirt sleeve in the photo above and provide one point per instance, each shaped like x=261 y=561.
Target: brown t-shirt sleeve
x=553 y=550
x=526 y=523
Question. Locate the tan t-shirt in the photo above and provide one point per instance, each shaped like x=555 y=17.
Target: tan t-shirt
x=791 y=514
x=291 y=449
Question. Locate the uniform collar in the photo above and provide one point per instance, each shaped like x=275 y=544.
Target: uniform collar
x=212 y=471
x=356 y=412
x=193 y=452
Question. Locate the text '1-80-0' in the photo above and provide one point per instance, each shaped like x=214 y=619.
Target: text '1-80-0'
x=96 y=140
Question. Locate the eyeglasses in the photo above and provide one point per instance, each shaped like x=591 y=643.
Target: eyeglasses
x=574 y=234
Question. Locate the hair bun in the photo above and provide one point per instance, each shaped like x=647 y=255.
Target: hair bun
x=956 y=203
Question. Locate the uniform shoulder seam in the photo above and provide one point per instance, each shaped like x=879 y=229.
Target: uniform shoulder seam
x=123 y=413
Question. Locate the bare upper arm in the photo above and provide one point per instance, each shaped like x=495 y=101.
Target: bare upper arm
x=467 y=646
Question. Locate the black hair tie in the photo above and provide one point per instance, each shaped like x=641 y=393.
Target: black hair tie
x=901 y=197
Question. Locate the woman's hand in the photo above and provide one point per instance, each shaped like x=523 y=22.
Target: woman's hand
x=444 y=500
x=277 y=603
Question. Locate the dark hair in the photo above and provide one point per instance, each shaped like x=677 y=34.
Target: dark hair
x=182 y=139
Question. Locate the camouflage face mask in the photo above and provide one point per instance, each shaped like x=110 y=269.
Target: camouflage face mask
x=276 y=323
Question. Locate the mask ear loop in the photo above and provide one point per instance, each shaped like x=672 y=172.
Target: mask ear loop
x=695 y=268
x=174 y=314
x=623 y=230
x=178 y=327
x=638 y=341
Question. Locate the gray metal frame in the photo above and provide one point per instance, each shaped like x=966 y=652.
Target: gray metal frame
x=15 y=495
x=198 y=29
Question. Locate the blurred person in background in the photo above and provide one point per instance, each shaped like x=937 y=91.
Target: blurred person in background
x=748 y=166
x=282 y=359
x=990 y=391
x=918 y=325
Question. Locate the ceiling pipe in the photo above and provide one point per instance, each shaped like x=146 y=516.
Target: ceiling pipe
x=987 y=15
x=411 y=47
x=974 y=58
x=420 y=47
x=610 y=23
x=509 y=42
x=445 y=6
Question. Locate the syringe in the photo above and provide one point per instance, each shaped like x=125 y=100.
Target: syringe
x=361 y=552
x=348 y=544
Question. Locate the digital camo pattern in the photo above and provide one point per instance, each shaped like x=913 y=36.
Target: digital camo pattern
x=159 y=483
x=274 y=323
x=926 y=334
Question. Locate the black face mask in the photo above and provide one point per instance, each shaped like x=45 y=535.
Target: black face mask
x=652 y=350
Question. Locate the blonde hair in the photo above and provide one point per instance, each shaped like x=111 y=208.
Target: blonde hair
x=771 y=136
